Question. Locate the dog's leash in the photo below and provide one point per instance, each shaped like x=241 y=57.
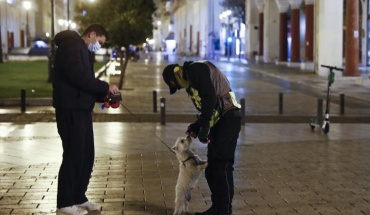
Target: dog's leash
x=151 y=132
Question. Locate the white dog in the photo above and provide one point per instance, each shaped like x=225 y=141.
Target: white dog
x=190 y=167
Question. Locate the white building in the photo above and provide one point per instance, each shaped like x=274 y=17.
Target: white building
x=197 y=27
x=23 y=21
x=300 y=33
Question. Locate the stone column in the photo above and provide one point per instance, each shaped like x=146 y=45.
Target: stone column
x=309 y=30
x=295 y=29
x=260 y=34
x=260 y=6
x=271 y=31
x=252 y=29
x=328 y=37
x=283 y=30
x=352 y=39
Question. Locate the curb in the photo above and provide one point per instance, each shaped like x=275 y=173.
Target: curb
x=176 y=118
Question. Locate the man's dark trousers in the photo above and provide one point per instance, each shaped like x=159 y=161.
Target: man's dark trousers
x=76 y=131
x=221 y=155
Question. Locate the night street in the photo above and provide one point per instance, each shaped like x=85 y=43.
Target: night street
x=281 y=168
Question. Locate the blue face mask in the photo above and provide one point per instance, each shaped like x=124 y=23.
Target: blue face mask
x=94 y=47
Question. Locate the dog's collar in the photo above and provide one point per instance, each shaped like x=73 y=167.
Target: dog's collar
x=187 y=159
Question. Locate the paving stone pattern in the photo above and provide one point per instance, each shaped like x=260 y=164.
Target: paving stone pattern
x=323 y=177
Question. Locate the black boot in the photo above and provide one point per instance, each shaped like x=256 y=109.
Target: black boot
x=225 y=211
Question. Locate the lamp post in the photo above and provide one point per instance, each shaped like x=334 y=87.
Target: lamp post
x=1 y=42
x=68 y=18
x=52 y=48
x=27 y=6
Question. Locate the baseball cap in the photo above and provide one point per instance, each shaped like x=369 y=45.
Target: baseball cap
x=169 y=75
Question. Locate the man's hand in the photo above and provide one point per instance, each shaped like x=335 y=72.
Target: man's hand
x=203 y=134
x=113 y=89
x=204 y=130
x=193 y=129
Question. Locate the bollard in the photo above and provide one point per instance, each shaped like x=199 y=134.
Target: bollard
x=341 y=96
x=154 y=101
x=242 y=111
x=23 y=100
x=163 y=110
x=280 y=103
x=319 y=111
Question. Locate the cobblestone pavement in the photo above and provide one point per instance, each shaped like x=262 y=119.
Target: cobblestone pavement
x=280 y=169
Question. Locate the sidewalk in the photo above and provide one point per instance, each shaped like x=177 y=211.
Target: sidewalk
x=259 y=84
x=280 y=169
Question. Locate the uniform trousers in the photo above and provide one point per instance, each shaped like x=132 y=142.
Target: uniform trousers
x=221 y=155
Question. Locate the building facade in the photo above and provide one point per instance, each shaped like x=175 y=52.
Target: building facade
x=24 y=21
x=295 y=33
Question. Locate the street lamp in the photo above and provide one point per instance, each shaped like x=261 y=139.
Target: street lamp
x=60 y=23
x=1 y=42
x=27 y=5
x=52 y=48
x=68 y=18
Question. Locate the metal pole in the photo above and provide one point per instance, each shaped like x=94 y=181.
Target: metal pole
x=163 y=111
x=1 y=43
x=23 y=100
x=27 y=30
x=155 y=101
x=52 y=48
x=227 y=38
x=280 y=103
x=68 y=13
x=341 y=104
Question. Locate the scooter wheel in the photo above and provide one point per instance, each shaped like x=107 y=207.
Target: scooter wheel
x=326 y=129
x=312 y=127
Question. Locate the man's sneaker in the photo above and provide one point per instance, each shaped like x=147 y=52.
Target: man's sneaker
x=73 y=210
x=89 y=206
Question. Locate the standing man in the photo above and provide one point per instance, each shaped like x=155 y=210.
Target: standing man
x=75 y=91
x=218 y=125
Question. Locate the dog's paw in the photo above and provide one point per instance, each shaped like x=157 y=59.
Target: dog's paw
x=203 y=163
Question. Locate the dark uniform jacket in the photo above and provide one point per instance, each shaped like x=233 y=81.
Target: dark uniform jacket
x=209 y=90
x=74 y=82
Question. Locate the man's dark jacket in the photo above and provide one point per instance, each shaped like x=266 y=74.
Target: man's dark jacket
x=74 y=84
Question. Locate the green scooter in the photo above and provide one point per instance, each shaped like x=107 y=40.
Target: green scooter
x=326 y=123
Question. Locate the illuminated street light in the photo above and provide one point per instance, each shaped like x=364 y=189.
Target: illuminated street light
x=66 y=23
x=73 y=25
x=225 y=14
x=27 y=5
x=60 y=22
